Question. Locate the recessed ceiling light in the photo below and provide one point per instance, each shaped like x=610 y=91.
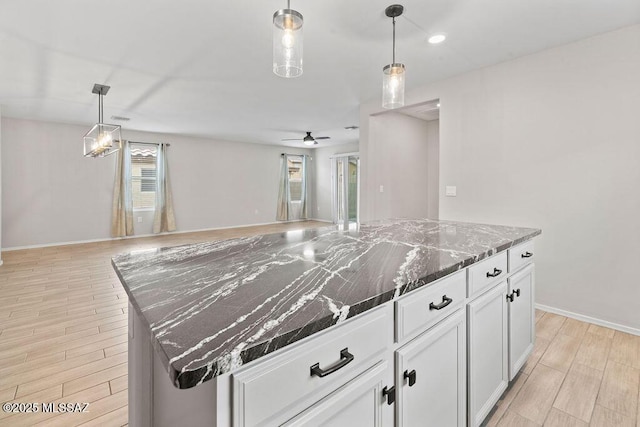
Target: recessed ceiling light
x=438 y=38
x=438 y=105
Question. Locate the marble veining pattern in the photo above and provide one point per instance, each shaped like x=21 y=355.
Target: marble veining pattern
x=212 y=307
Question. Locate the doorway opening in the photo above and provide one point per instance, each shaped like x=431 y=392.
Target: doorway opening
x=345 y=189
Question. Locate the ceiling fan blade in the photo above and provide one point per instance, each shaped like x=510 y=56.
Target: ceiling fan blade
x=291 y=139
x=321 y=137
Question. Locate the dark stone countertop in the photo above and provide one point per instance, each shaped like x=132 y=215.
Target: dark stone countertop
x=212 y=307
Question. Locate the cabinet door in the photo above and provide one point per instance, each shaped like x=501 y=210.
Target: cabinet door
x=430 y=376
x=487 y=344
x=358 y=403
x=521 y=318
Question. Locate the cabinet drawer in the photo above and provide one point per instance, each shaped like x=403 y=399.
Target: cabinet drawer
x=421 y=309
x=521 y=255
x=485 y=273
x=282 y=385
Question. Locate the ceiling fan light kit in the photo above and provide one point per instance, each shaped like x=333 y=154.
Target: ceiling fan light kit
x=393 y=74
x=287 y=42
x=103 y=139
x=308 y=139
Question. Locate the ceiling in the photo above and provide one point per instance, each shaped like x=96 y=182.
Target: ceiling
x=203 y=68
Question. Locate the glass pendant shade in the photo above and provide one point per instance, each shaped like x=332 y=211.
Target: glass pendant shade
x=102 y=140
x=287 y=43
x=393 y=86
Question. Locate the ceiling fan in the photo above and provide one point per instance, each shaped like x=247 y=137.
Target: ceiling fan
x=308 y=140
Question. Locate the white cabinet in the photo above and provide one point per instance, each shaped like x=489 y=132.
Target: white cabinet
x=358 y=403
x=487 y=355
x=290 y=381
x=521 y=318
x=458 y=342
x=431 y=376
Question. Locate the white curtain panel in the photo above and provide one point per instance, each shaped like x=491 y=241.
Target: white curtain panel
x=305 y=192
x=284 y=198
x=122 y=206
x=164 y=218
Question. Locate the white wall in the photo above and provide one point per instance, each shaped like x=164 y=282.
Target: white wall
x=550 y=140
x=0 y=184
x=52 y=194
x=400 y=143
x=322 y=178
x=433 y=169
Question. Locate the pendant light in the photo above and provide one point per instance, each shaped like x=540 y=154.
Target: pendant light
x=393 y=74
x=287 y=42
x=102 y=139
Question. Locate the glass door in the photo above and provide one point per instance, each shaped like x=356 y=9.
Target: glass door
x=345 y=189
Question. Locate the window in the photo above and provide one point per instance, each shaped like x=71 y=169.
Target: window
x=295 y=177
x=143 y=175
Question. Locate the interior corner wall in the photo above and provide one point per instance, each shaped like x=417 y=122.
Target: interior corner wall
x=433 y=169
x=400 y=189
x=549 y=140
x=322 y=178
x=1 y=185
x=52 y=194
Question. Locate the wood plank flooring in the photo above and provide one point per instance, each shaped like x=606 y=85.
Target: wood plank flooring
x=578 y=375
x=63 y=338
x=63 y=326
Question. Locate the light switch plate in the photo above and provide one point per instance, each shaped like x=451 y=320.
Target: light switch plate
x=382 y=188
x=450 y=190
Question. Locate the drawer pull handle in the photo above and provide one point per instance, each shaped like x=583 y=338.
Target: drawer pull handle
x=445 y=302
x=345 y=359
x=390 y=394
x=517 y=292
x=496 y=272
x=527 y=254
x=411 y=376
x=510 y=297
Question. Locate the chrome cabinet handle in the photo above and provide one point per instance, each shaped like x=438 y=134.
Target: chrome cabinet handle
x=345 y=359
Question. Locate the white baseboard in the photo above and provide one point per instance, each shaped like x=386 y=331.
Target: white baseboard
x=137 y=236
x=589 y=319
x=319 y=220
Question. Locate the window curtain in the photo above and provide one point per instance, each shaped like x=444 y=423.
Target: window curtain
x=122 y=207
x=164 y=219
x=305 y=192
x=284 y=197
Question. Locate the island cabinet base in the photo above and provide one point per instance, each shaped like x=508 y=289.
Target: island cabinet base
x=155 y=402
x=440 y=355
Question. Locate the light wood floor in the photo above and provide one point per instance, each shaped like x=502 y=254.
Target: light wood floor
x=578 y=375
x=63 y=338
x=63 y=326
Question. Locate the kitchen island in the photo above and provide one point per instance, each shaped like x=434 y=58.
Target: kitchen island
x=210 y=323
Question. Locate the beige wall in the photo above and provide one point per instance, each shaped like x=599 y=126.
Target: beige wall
x=550 y=140
x=52 y=194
